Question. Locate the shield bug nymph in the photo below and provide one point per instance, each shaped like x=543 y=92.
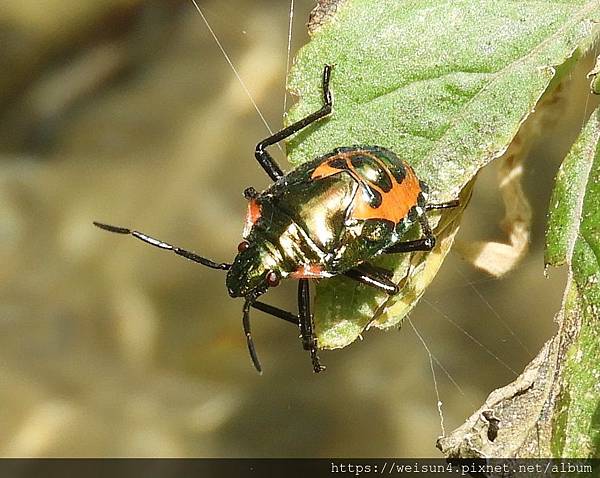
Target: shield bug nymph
x=329 y=216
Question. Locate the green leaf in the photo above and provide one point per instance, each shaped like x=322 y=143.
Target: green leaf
x=577 y=419
x=567 y=197
x=553 y=407
x=445 y=85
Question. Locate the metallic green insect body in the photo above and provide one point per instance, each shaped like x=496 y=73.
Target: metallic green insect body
x=327 y=217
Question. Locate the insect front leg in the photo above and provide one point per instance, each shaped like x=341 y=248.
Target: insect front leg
x=277 y=312
x=263 y=157
x=309 y=340
x=251 y=302
x=303 y=321
x=248 y=333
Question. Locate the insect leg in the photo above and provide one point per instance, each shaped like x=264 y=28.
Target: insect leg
x=262 y=155
x=276 y=312
x=309 y=340
x=249 y=341
x=163 y=245
x=368 y=277
x=376 y=270
x=444 y=205
x=424 y=244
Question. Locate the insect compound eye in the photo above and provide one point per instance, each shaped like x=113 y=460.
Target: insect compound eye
x=242 y=246
x=272 y=279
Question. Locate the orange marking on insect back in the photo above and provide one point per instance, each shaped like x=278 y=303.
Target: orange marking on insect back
x=308 y=271
x=252 y=216
x=395 y=204
x=324 y=170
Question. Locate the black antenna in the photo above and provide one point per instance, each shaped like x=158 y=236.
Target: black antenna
x=163 y=245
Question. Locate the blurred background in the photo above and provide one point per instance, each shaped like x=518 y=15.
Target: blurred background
x=125 y=111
